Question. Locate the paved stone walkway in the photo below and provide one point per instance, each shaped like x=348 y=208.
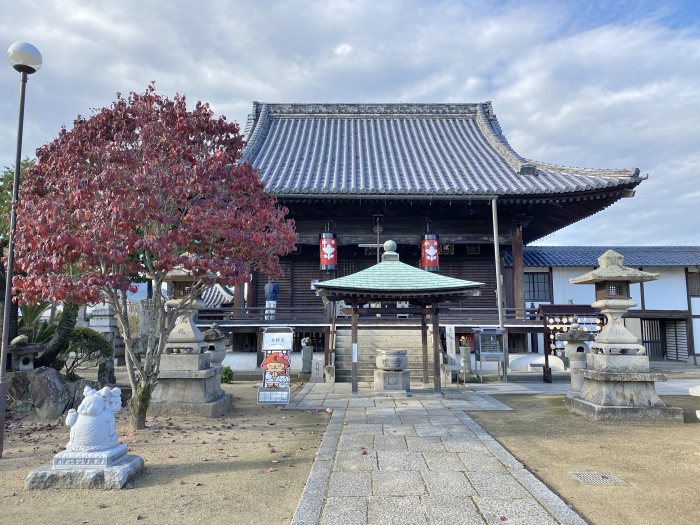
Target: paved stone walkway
x=416 y=459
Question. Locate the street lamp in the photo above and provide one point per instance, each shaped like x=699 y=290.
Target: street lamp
x=26 y=59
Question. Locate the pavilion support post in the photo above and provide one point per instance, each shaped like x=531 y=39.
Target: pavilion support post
x=437 y=386
x=424 y=344
x=353 y=376
x=331 y=336
x=518 y=271
x=499 y=278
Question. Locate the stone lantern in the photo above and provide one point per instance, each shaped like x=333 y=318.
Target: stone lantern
x=617 y=384
x=575 y=350
x=186 y=337
x=214 y=340
x=189 y=380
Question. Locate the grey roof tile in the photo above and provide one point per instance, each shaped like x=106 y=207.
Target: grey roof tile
x=543 y=256
x=411 y=149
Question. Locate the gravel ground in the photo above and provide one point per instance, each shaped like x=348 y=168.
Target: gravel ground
x=659 y=462
x=249 y=467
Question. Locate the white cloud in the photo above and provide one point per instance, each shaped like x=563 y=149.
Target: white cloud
x=571 y=83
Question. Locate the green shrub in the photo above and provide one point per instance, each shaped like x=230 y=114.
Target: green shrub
x=87 y=345
x=227 y=375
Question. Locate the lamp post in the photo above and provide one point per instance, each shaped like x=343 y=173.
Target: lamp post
x=26 y=59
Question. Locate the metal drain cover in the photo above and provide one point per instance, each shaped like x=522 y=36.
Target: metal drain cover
x=597 y=478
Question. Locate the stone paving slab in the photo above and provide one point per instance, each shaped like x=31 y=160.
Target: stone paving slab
x=344 y=511
x=448 y=483
x=395 y=510
x=400 y=460
x=397 y=483
x=447 y=510
x=416 y=459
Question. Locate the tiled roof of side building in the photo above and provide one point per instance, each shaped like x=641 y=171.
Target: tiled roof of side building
x=544 y=256
x=404 y=149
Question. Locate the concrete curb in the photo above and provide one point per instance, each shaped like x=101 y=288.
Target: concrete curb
x=308 y=510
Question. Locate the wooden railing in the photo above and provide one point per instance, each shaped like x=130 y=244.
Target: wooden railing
x=448 y=314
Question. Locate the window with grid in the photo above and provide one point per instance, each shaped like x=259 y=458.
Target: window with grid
x=537 y=287
x=694 y=284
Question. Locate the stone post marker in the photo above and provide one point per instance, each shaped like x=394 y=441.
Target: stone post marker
x=93 y=458
x=618 y=384
x=104 y=321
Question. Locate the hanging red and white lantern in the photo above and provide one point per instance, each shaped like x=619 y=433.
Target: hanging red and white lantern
x=328 y=251
x=429 y=253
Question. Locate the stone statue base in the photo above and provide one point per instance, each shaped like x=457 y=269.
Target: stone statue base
x=101 y=458
x=85 y=475
x=392 y=381
x=620 y=387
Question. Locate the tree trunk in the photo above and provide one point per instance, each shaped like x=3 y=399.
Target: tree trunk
x=138 y=404
x=60 y=338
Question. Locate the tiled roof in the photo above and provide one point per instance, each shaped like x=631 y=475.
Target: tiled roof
x=407 y=149
x=216 y=296
x=588 y=255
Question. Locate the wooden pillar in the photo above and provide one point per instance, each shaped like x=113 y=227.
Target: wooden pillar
x=437 y=388
x=424 y=342
x=497 y=260
x=518 y=271
x=238 y=300
x=354 y=348
x=253 y=295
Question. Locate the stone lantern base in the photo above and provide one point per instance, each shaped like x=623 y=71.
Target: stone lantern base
x=188 y=386
x=620 y=387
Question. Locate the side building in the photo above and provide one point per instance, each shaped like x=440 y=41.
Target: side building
x=667 y=316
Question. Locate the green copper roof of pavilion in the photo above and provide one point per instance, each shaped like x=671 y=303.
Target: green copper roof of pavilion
x=394 y=278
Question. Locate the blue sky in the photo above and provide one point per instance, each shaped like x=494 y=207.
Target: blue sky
x=596 y=84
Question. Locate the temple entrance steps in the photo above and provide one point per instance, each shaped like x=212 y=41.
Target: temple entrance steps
x=368 y=341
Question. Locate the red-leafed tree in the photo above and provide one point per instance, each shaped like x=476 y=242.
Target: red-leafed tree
x=140 y=188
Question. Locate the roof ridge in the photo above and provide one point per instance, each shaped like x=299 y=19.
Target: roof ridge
x=375 y=108
x=489 y=126
x=258 y=129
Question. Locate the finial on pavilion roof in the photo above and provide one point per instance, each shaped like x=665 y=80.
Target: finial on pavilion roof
x=390 y=252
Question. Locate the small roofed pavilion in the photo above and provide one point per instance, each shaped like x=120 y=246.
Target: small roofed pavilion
x=391 y=281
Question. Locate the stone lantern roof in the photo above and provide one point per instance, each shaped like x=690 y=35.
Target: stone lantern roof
x=612 y=270
x=213 y=334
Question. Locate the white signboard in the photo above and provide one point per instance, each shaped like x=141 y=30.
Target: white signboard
x=451 y=346
x=354 y=352
x=278 y=339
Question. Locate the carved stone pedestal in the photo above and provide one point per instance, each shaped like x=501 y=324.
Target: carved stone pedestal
x=620 y=387
x=188 y=386
x=391 y=376
x=392 y=380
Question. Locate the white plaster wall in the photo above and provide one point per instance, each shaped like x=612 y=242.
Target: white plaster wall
x=634 y=325
x=696 y=337
x=563 y=291
x=695 y=305
x=668 y=292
